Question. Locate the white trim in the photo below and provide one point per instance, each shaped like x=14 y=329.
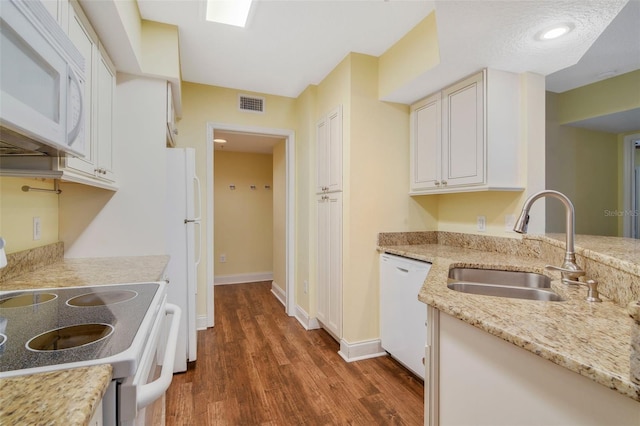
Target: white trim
x=209 y=230
x=290 y=143
x=202 y=322
x=361 y=350
x=243 y=278
x=628 y=184
x=279 y=293
x=303 y=318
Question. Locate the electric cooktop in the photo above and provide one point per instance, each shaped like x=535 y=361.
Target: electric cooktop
x=48 y=329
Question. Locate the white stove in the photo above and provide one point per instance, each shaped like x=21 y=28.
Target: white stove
x=121 y=324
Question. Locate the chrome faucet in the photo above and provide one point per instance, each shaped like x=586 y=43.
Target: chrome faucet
x=569 y=269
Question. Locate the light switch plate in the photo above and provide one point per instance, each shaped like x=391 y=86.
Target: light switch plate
x=37 y=228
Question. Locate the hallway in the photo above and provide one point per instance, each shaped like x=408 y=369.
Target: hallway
x=258 y=366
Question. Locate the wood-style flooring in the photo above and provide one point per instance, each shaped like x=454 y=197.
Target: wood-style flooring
x=258 y=366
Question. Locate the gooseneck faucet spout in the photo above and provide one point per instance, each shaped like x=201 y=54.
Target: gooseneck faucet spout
x=570 y=270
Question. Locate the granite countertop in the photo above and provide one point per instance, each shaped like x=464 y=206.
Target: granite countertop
x=592 y=339
x=69 y=397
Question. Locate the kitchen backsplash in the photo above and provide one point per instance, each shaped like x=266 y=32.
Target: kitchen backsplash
x=30 y=260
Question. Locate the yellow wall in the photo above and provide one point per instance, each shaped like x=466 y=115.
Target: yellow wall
x=160 y=50
x=459 y=212
x=413 y=55
x=376 y=198
x=279 y=215
x=615 y=94
x=202 y=104
x=583 y=165
x=305 y=188
x=18 y=208
x=243 y=217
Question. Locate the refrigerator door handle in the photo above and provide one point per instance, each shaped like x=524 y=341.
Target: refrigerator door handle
x=199 y=245
x=198 y=199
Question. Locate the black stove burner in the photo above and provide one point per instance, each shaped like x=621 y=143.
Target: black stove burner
x=23 y=300
x=99 y=298
x=70 y=337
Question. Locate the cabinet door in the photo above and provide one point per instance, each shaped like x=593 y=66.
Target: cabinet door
x=104 y=118
x=329 y=265
x=426 y=122
x=334 y=133
x=463 y=147
x=322 y=256
x=329 y=152
x=322 y=156
x=85 y=41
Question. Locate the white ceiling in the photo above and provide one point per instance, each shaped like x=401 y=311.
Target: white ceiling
x=289 y=44
x=246 y=142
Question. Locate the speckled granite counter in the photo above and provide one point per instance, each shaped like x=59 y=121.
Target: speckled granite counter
x=592 y=339
x=66 y=397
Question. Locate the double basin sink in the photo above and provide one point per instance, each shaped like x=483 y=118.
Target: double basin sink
x=511 y=284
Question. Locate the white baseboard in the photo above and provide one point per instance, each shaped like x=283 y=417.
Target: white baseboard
x=242 y=278
x=303 y=318
x=279 y=293
x=201 y=322
x=361 y=350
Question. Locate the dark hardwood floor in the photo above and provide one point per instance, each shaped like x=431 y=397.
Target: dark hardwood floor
x=258 y=366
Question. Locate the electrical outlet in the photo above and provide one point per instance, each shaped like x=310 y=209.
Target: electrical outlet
x=509 y=222
x=37 y=229
x=482 y=223
x=223 y=258
x=306 y=286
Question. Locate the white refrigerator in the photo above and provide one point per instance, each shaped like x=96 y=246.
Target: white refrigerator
x=183 y=212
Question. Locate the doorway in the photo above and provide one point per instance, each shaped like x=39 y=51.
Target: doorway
x=631 y=186
x=288 y=135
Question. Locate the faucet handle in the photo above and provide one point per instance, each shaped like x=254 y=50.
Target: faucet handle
x=567 y=273
x=592 y=286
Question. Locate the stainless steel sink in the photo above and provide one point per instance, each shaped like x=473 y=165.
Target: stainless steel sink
x=494 y=282
x=499 y=277
x=528 y=293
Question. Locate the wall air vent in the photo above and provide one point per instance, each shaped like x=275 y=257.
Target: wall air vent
x=251 y=103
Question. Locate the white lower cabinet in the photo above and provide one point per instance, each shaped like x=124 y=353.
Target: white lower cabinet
x=474 y=378
x=329 y=264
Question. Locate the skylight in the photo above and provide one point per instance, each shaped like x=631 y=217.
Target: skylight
x=230 y=12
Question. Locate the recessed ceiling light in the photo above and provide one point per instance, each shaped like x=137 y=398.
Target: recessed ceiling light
x=230 y=12
x=555 y=32
x=220 y=140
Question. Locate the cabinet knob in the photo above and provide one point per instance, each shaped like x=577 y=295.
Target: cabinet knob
x=437 y=183
x=444 y=182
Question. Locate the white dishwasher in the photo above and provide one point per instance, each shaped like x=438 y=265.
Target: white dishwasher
x=402 y=315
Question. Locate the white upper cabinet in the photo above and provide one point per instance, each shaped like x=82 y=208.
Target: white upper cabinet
x=426 y=130
x=467 y=136
x=96 y=168
x=329 y=152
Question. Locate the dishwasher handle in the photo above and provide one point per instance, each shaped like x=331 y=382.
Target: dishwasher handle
x=149 y=392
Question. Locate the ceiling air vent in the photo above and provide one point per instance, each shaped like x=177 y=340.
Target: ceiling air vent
x=251 y=103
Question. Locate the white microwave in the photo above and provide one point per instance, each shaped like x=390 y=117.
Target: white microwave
x=41 y=83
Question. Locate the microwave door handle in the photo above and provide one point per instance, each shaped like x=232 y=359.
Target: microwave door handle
x=149 y=392
x=73 y=134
